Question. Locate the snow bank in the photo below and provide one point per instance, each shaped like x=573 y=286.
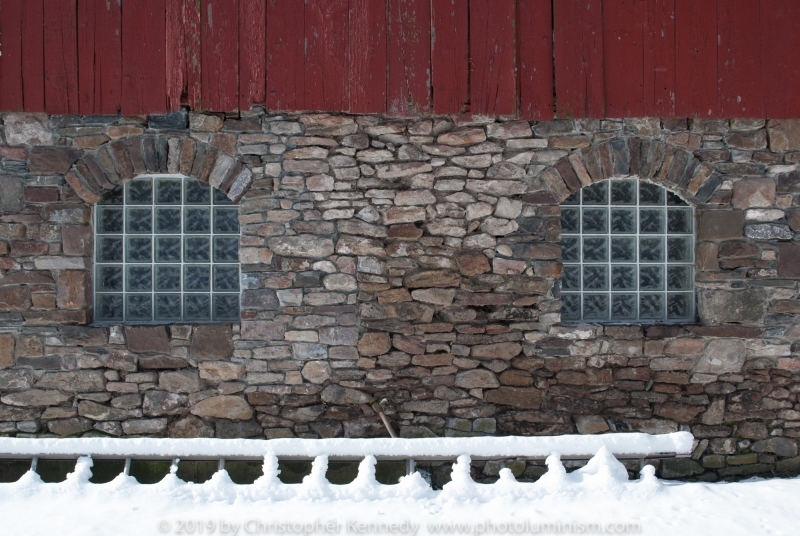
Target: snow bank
x=596 y=498
x=579 y=446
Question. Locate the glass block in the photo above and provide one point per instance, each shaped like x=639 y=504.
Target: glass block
x=196 y=278
x=623 y=277
x=109 y=220
x=595 y=220
x=139 y=279
x=114 y=197
x=623 y=220
x=168 y=307
x=596 y=194
x=679 y=277
x=623 y=249
x=226 y=249
x=196 y=307
x=651 y=306
x=595 y=278
x=226 y=278
x=139 y=249
x=226 y=307
x=574 y=199
x=650 y=194
x=109 y=278
x=109 y=307
x=595 y=306
x=679 y=306
x=197 y=249
x=571 y=278
x=679 y=220
x=138 y=307
x=220 y=198
x=651 y=278
x=595 y=249
x=168 y=278
x=674 y=200
x=651 y=249
x=139 y=220
x=139 y=192
x=168 y=191
x=197 y=193
x=197 y=220
x=679 y=249
x=651 y=220
x=570 y=220
x=570 y=307
x=168 y=220
x=623 y=193
x=109 y=249
x=226 y=220
x=168 y=249
x=623 y=306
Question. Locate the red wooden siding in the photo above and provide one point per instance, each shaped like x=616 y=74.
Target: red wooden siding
x=535 y=59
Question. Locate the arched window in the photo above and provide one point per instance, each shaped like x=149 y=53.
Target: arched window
x=166 y=250
x=628 y=253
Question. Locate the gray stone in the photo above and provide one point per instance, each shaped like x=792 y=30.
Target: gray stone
x=144 y=426
x=782 y=446
x=316 y=371
x=16 y=380
x=147 y=339
x=223 y=407
x=717 y=306
x=190 y=426
x=340 y=336
x=158 y=403
x=227 y=429
x=12 y=200
x=722 y=356
x=68 y=427
x=336 y=394
x=177 y=120
x=81 y=381
x=476 y=379
x=35 y=398
x=679 y=468
x=768 y=231
x=179 y=381
x=301 y=246
x=591 y=424
x=98 y=412
x=27 y=129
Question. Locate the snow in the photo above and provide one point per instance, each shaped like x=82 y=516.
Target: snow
x=598 y=494
x=630 y=445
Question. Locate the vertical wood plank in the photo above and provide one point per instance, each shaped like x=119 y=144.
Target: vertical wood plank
x=535 y=59
x=220 y=56
x=99 y=56
x=285 y=55
x=779 y=34
x=175 y=55
x=252 y=52
x=578 y=28
x=144 y=82
x=367 y=59
x=659 y=59
x=739 y=59
x=61 y=57
x=192 y=33
x=326 y=69
x=623 y=36
x=450 y=56
x=11 y=60
x=409 y=79
x=493 y=84
x=696 y=58
x=33 y=55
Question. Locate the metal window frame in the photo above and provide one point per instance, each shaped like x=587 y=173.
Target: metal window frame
x=665 y=235
x=153 y=235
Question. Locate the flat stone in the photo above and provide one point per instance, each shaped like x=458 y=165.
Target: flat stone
x=221 y=371
x=12 y=200
x=144 y=426
x=718 y=306
x=470 y=264
x=339 y=395
x=435 y=296
x=679 y=468
x=374 y=344
x=180 y=381
x=161 y=362
x=6 y=350
x=211 y=342
x=190 y=426
x=328 y=125
x=414 y=197
x=476 y=379
x=223 y=407
x=518 y=397
x=719 y=224
x=262 y=330
x=340 y=282
x=759 y=192
x=303 y=245
x=789 y=260
x=80 y=381
x=722 y=356
x=462 y=138
x=678 y=412
x=501 y=350
x=35 y=398
x=147 y=339
x=434 y=278
x=98 y=412
x=341 y=336
x=508 y=130
x=52 y=160
x=591 y=424
x=782 y=446
x=397 y=215
x=27 y=129
x=784 y=134
x=238 y=429
x=159 y=403
x=69 y=427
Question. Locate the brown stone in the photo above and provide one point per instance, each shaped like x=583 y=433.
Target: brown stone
x=374 y=344
x=678 y=412
x=719 y=306
x=519 y=397
x=684 y=346
x=462 y=138
x=161 y=362
x=719 y=224
x=758 y=192
x=434 y=278
x=784 y=134
x=536 y=251
x=73 y=289
x=180 y=381
x=190 y=426
x=788 y=259
x=52 y=160
x=98 y=412
x=476 y=379
x=76 y=240
x=221 y=371
x=722 y=356
x=316 y=372
x=517 y=378
x=147 y=339
x=262 y=330
x=211 y=342
x=80 y=381
x=68 y=427
x=408 y=344
x=752 y=430
x=339 y=395
x=473 y=263
x=6 y=350
x=502 y=350
x=14 y=299
x=35 y=398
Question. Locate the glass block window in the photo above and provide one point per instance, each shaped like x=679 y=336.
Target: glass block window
x=628 y=254
x=166 y=250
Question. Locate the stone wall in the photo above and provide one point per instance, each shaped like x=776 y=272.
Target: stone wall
x=412 y=260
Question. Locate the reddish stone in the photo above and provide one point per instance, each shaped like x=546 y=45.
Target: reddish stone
x=17 y=154
x=27 y=249
x=211 y=342
x=408 y=345
x=41 y=195
x=52 y=159
x=73 y=289
x=788 y=259
x=740 y=332
x=147 y=339
x=76 y=240
x=793 y=219
x=6 y=350
x=14 y=299
x=758 y=192
x=537 y=251
x=737 y=248
x=678 y=412
x=473 y=264
x=519 y=397
x=262 y=330
x=374 y=344
x=161 y=362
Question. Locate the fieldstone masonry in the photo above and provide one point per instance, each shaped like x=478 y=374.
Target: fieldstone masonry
x=413 y=260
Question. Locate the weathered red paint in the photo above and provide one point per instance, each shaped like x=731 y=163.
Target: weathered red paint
x=611 y=58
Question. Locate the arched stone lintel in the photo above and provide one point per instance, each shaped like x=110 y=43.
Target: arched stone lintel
x=671 y=166
x=116 y=162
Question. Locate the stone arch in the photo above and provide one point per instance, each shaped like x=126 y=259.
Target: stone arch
x=668 y=165
x=116 y=162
